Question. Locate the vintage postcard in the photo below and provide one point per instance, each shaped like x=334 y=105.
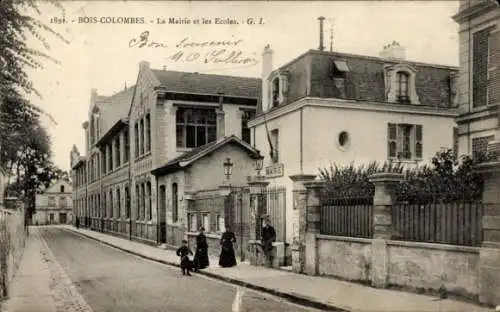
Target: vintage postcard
x=249 y=156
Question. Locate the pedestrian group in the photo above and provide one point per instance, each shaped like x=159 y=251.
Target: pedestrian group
x=228 y=245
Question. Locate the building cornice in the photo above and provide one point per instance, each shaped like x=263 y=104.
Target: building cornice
x=488 y=112
x=476 y=9
x=353 y=105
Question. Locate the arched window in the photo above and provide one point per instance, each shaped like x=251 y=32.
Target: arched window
x=62 y=188
x=175 y=212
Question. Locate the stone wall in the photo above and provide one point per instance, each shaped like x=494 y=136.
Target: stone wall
x=413 y=266
x=12 y=242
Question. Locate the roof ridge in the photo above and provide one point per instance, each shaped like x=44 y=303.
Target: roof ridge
x=204 y=74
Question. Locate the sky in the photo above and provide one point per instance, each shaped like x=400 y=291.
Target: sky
x=100 y=55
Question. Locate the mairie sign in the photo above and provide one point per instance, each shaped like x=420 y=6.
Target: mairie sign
x=274 y=171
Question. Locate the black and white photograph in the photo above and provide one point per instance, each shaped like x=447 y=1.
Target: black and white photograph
x=245 y=156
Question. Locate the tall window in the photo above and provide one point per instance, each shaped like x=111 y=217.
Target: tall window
x=143 y=201
x=175 y=216
x=195 y=127
x=118 y=203
x=52 y=200
x=137 y=201
x=141 y=133
x=110 y=156
x=62 y=188
x=148 y=133
x=480 y=67
x=111 y=206
x=245 y=130
x=149 y=211
x=126 y=144
x=136 y=137
x=127 y=203
x=117 y=152
x=402 y=91
x=405 y=141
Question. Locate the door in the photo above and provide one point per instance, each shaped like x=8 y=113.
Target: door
x=62 y=218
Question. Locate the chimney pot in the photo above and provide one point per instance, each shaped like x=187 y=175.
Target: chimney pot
x=143 y=65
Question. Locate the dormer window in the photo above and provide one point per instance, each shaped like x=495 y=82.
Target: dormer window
x=279 y=88
x=402 y=91
x=400 y=84
x=276 y=91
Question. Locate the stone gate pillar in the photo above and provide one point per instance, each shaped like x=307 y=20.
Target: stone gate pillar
x=313 y=223
x=383 y=199
x=300 y=205
x=489 y=254
x=257 y=209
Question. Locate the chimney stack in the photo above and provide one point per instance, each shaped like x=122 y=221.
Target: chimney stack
x=393 y=51
x=221 y=129
x=321 y=46
x=267 y=68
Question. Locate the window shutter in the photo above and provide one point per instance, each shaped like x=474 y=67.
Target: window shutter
x=418 y=141
x=480 y=67
x=455 y=141
x=391 y=140
x=494 y=69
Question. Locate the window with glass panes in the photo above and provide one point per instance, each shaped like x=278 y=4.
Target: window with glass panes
x=195 y=127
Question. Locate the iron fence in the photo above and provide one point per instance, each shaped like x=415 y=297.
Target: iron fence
x=436 y=221
x=344 y=214
x=276 y=210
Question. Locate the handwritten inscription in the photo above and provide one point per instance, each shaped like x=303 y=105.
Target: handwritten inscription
x=206 y=52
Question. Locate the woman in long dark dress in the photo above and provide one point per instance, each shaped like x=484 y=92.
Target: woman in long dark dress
x=227 y=257
x=201 y=255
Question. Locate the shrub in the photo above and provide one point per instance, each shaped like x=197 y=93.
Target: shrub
x=446 y=179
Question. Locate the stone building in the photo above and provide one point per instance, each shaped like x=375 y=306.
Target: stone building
x=54 y=205
x=479 y=82
x=166 y=114
x=330 y=107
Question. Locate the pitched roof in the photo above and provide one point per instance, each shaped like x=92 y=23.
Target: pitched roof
x=193 y=155
x=114 y=108
x=184 y=82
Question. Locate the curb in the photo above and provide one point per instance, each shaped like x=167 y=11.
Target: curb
x=292 y=297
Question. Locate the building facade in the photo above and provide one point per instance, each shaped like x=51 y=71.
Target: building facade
x=326 y=108
x=54 y=205
x=166 y=114
x=479 y=82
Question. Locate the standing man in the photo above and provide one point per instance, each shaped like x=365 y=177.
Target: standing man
x=268 y=237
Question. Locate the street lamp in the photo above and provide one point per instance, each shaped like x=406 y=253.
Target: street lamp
x=228 y=168
x=259 y=163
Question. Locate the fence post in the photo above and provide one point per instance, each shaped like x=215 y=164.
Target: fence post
x=300 y=204
x=257 y=209
x=489 y=254
x=383 y=200
x=313 y=223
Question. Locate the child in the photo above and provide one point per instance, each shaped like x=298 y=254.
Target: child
x=183 y=252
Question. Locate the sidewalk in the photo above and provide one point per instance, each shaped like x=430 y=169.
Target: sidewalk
x=319 y=292
x=29 y=290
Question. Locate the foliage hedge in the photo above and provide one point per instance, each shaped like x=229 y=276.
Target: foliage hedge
x=447 y=178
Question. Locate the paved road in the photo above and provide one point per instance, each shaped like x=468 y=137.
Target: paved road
x=111 y=280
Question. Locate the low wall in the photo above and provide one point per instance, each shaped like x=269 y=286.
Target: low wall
x=421 y=267
x=12 y=242
x=344 y=257
x=434 y=267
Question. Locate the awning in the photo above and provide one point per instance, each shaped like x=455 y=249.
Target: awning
x=341 y=66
